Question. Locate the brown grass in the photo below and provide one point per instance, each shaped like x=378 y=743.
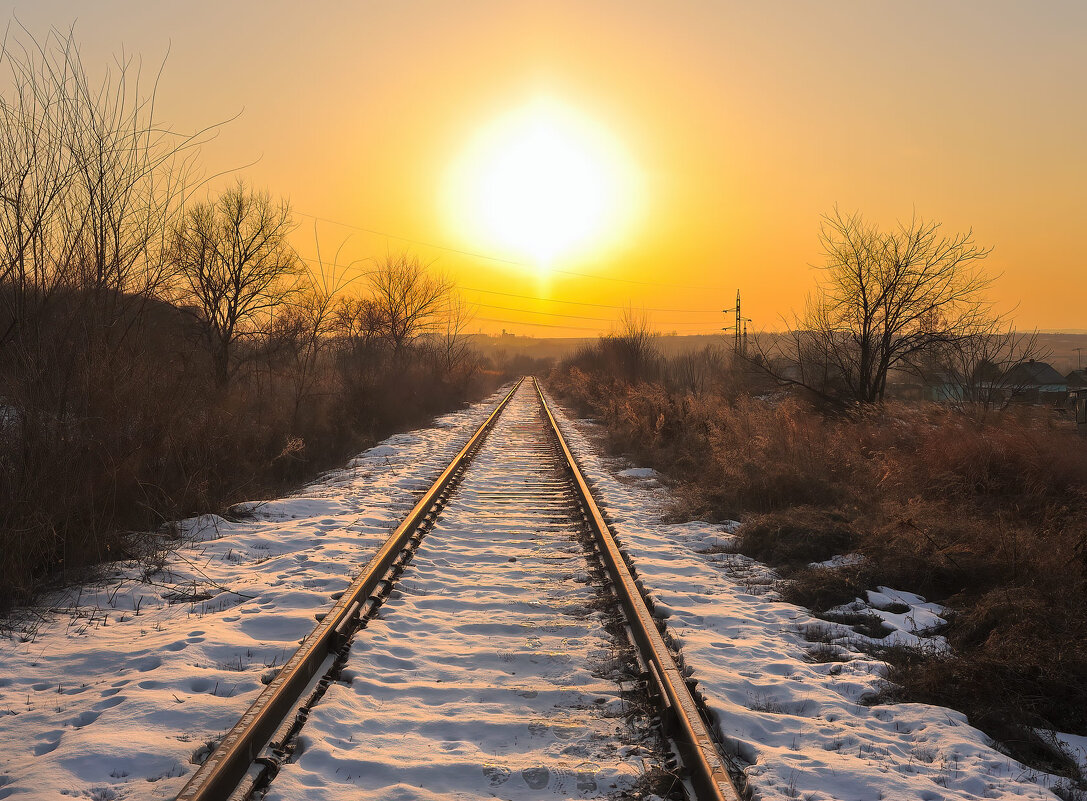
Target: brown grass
x=988 y=516
x=146 y=438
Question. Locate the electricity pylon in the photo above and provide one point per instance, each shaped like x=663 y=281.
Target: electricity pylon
x=739 y=328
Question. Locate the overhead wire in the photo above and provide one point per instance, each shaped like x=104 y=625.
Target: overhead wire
x=354 y=265
x=324 y=262
x=595 y=330
x=315 y=260
x=579 y=316
x=585 y=303
x=500 y=260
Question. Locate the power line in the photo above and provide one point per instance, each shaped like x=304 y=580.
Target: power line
x=315 y=260
x=584 y=303
x=422 y=242
x=538 y=325
x=579 y=316
x=546 y=314
x=566 y=327
x=485 y=257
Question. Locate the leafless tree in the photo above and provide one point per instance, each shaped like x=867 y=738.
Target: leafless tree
x=695 y=371
x=885 y=301
x=309 y=322
x=356 y=322
x=453 y=347
x=408 y=300
x=236 y=267
x=37 y=166
x=89 y=183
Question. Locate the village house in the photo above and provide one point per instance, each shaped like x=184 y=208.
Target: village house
x=1036 y=382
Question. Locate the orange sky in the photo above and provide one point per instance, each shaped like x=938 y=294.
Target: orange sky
x=744 y=122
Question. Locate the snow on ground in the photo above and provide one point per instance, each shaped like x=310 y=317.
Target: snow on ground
x=108 y=692
x=800 y=724
x=638 y=472
x=895 y=617
x=1074 y=744
x=488 y=672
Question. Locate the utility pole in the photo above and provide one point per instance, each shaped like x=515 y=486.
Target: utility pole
x=739 y=341
x=1079 y=358
x=738 y=329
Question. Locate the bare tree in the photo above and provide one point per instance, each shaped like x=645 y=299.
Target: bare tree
x=453 y=346
x=310 y=321
x=356 y=322
x=36 y=172
x=695 y=371
x=886 y=300
x=236 y=266
x=408 y=300
x=89 y=183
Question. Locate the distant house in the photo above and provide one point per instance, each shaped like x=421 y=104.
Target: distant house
x=945 y=387
x=1077 y=380
x=1036 y=382
x=1029 y=382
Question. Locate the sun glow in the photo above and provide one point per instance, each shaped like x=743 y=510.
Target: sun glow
x=541 y=183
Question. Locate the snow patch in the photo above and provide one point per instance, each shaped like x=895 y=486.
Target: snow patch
x=841 y=560
x=638 y=472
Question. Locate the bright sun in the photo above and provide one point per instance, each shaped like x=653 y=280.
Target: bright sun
x=542 y=182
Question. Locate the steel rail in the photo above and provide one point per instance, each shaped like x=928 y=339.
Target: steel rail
x=697 y=748
x=225 y=767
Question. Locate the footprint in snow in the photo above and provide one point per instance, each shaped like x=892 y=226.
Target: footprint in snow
x=49 y=742
x=84 y=719
x=586 y=777
x=147 y=663
x=536 y=778
x=496 y=774
x=537 y=728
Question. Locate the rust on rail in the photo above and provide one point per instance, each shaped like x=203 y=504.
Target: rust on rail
x=698 y=750
x=224 y=768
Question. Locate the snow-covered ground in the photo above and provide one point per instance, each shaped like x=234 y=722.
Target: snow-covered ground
x=111 y=692
x=488 y=672
x=801 y=725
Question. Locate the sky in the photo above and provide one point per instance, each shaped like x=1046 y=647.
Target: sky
x=719 y=131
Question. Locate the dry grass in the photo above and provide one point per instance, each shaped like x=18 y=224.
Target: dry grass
x=988 y=516
x=797 y=536
x=148 y=439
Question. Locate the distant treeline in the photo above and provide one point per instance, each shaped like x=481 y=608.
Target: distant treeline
x=163 y=354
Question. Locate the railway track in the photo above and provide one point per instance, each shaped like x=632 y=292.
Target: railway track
x=495 y=625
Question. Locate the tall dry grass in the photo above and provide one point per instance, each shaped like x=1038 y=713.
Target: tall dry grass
x=988 y=516
x=95 y=450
